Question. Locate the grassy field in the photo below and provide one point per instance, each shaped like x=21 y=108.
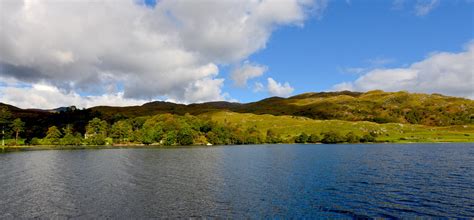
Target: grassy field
x=290 y=126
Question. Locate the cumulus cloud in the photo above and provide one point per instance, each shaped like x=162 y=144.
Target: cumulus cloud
x=247 y=71
x=274 y=88
x=441 y=72
x=45 y=96
x=171 y=50
x=278 y=89
x=424 y=7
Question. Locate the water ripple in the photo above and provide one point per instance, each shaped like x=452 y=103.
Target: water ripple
x=274 y=181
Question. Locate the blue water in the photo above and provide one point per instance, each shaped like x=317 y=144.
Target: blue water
x=265 y=181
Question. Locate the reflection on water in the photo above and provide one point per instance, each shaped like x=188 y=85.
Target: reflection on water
x=264 y=181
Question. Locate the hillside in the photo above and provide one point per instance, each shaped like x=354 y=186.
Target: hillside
x=291 y=126
x=395 y=116
x=375 y=106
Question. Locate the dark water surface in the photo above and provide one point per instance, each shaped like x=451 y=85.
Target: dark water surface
x=266 y=181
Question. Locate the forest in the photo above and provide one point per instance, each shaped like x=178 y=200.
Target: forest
x=167 y=130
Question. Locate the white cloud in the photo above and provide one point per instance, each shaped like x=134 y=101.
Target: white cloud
x=277 y=89
x=424 y=7
x=172 y=50
x=45 y=96
x=441 y=72
x=205 y=89
x=247 y=71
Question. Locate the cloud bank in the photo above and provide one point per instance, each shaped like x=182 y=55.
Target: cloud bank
x=441 y=72
x=171 y=50
x=45 y=96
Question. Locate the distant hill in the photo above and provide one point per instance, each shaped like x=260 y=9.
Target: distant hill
x=375 y=106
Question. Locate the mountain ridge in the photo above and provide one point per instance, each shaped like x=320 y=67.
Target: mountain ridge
x=376 y=106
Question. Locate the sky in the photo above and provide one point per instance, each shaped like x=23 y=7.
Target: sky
x=127 y=52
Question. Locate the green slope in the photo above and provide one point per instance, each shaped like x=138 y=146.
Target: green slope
x=393 y=111
x=291 y=126
x=376 y=106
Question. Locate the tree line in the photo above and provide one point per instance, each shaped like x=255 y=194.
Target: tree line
x=169 y=129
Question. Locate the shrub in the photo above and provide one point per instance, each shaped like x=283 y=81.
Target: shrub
x=367 y=138
x=170 y=138
x=302 y=138
x=98 y=139
x=35 y=141
x=314 y=138
x=352 y=138
x=332 y=137
x=185 y=136
x=272 y=137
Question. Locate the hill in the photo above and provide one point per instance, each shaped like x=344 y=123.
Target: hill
x=290 y=126
x=375 y=106
x=394 y=116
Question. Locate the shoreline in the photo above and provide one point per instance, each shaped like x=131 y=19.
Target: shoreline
x=8 y=149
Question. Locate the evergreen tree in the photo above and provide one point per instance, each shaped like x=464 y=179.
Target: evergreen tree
x=52 y=135
x=18 y=126
x=69 y=137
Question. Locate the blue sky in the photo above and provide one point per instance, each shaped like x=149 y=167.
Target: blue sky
x=314 y=57
x=128 y=52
